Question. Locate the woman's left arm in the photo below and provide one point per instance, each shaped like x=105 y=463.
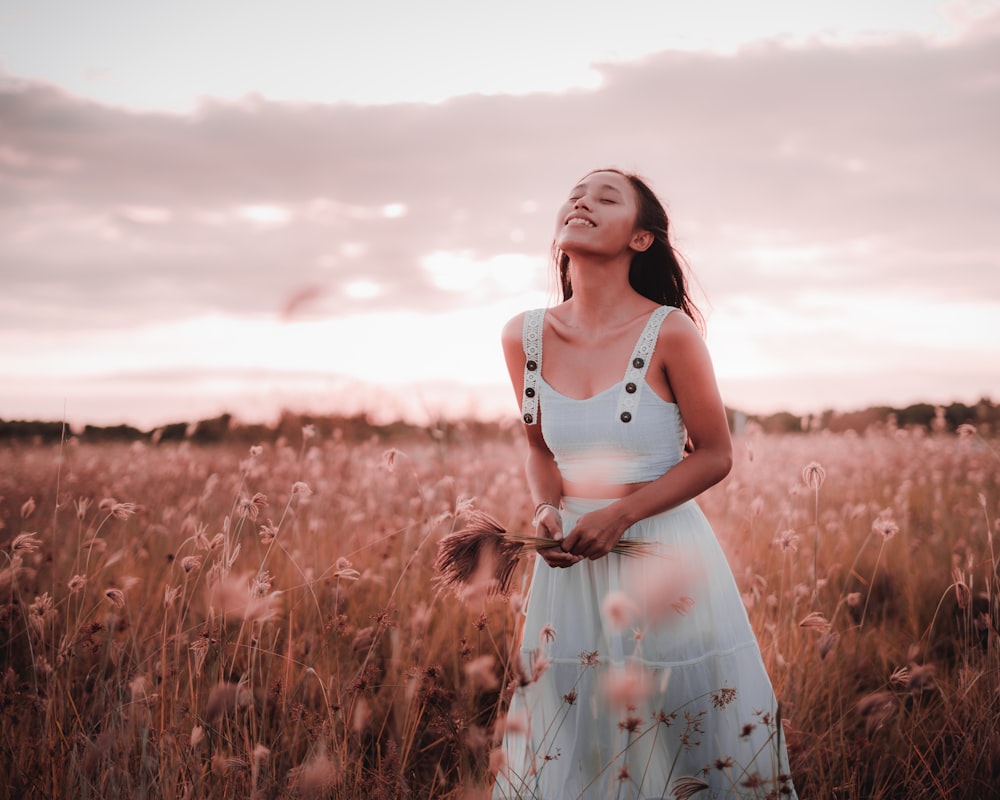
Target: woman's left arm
x=689 y=371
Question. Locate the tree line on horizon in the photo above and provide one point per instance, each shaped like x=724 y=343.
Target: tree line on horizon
x=984 y=415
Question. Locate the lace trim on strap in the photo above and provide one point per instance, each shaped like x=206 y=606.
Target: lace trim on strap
x=635 y=375
x=531 y=341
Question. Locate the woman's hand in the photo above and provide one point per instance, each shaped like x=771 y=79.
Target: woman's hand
x=548 y=524
x=595 y=534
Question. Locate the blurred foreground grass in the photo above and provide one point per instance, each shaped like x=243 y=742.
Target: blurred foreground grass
x=180 y=621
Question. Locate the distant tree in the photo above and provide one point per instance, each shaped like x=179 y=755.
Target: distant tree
x=858 y=421
x=919 y=415
x=94 y=434
x=215 y=429
x=956 y=414
x=988 y=414
x=985 y=415
x=29 y=430
x=782 y=422
x=252 y=433
x=173 y=432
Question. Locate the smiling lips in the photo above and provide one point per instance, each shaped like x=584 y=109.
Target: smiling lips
x=579 y=221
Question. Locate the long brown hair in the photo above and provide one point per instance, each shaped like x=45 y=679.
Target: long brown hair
x=659 y=272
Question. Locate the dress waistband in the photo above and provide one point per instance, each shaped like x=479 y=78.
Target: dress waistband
x=584 y=505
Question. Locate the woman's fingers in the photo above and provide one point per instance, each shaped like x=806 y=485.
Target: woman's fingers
x=550 y=527
x=590 y=539
x=555 y=557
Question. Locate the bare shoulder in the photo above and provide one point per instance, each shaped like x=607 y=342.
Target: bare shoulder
x=513 y=351
x=679 y=329
x=683 y=353
x=512 y=329
x=511 y=340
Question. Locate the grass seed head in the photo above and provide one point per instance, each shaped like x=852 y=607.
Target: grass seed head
x=624 y=688
x=481 y=673
x=225 y=698
x=25 y=543
x=477 y=559
x=82 y=505
x=921 y=678
x=788 y=540
x=687 y=787
x=316 y=777
x=268 y=532
x=250 y=599
x=885 y=526
x=817 y=621
x=123 y=510
x=250 y=506
x=197 y=736
x=876 y=709
x=813 y=475
x=618 y=610
x=539 y=666
x=345 y=570
x=116 y=597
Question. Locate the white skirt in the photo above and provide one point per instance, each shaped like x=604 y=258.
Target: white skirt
x=642 y=677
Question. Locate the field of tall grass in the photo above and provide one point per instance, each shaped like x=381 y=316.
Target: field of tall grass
x=208 y=622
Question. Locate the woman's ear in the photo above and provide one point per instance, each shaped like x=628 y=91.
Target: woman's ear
x=641 y=241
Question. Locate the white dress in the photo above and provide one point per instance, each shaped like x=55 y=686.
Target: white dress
x=643 y=677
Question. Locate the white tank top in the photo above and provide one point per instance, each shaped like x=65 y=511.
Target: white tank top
x=624 y=434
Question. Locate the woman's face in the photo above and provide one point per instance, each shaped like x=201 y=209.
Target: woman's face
x=598 y=217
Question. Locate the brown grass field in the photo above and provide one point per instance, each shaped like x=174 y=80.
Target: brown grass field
x=207 y=622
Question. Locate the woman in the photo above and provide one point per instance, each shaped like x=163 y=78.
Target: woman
x=642 y=676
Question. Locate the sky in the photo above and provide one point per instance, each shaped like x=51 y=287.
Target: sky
x=333 y=207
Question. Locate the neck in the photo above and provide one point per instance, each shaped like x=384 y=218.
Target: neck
x=601 y=291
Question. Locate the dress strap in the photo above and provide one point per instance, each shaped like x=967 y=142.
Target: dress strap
x=531 y=340
x=635 y=375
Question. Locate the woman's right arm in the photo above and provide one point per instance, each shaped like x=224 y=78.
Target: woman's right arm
x=541 y=471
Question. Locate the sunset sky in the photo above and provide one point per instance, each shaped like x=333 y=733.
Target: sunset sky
x=335 y=206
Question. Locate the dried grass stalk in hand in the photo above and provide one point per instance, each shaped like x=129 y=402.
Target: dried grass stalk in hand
x=484 y=545
x=463 y=553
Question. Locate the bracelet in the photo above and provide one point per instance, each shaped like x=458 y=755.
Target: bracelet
x=540 y=507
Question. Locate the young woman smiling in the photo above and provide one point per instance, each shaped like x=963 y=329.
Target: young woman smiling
x=646 y=679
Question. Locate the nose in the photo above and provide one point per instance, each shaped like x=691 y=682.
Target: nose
x=581 y=202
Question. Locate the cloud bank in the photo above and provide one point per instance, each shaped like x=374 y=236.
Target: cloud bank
x=811 y=184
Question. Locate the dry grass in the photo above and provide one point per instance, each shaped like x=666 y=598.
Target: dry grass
x=180 y=622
